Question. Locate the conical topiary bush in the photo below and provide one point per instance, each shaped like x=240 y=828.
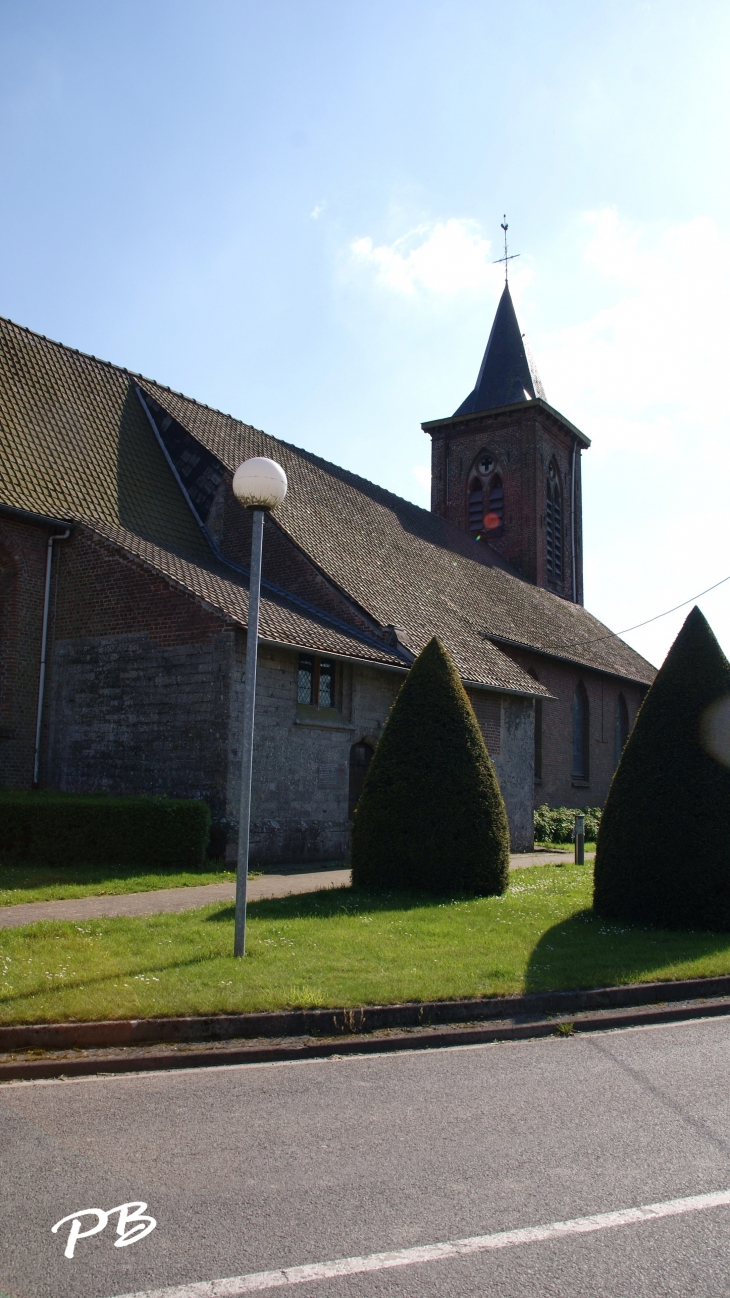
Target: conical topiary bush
x=431 y=813
x=663 y=850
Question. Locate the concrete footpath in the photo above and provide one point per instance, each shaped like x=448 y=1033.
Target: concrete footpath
x=283 y=882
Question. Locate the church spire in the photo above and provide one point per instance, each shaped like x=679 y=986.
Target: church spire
x=507 y=374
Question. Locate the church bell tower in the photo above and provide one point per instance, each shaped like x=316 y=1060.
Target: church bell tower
x=506 y=467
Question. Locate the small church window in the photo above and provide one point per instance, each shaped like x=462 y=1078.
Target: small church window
x=326 y=684
x=316 y=682
x=476 y=506
x=554 y=526
x=621 y=728
x=580 y=733
x=305 y=691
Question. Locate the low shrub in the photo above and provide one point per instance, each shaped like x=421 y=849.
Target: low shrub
x=63 y=829
x=555 y=824
x=663 y=853
x=431 y=814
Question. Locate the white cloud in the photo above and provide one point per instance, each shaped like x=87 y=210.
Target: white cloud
x=645 y=377
x=659 y=353
x=317 y=211
x=448 y=257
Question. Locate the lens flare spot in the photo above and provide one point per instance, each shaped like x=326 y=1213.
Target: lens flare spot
x=715 y=730
x=492 y=522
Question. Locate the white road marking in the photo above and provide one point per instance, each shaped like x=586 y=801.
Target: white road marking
x=257 y=1281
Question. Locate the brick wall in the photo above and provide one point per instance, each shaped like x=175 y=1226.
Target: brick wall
x=139 y=681
x=22 y=582
x=557 y=787
x=523 y=442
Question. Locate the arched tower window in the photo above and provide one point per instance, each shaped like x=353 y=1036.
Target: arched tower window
x=554 y=526
x=476 y=506
x=580 y=733
x=485 y=502
x=620 y=728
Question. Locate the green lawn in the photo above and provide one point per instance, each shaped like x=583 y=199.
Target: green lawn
x=23 y=883
x=341 y=947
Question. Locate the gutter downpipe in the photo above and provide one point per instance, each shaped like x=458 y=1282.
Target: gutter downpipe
x=572 y=524
x=55 y=536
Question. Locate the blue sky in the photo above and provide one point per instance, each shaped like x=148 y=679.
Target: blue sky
x=290 y=211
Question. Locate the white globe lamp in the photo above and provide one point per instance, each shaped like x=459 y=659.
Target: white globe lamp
x=259 y=483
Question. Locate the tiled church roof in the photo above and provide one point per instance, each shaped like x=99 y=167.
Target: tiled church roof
x=74 y=443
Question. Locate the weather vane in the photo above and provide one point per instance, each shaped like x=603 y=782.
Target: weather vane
x=505 y=259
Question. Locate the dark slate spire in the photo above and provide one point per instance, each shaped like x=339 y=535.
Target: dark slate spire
x=506 y=375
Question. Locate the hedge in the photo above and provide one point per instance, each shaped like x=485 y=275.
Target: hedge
x=663 y=850
x=58 y=829
x=431 y=814
x=555 y=824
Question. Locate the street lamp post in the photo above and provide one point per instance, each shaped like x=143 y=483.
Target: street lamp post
x=259 y=485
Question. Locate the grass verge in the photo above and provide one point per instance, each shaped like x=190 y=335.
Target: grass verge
x=341 y=947
x=26 y=883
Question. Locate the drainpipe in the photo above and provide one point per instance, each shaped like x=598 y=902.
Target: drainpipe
x=55 y=536
x=572 y=524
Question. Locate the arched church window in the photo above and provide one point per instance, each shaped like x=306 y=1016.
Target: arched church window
x=360 y=758
x=485 y=502
x=476 y=506
x=554 y=526
x=620 y=728
x=580 y=733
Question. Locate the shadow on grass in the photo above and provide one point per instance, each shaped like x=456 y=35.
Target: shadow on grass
x=587 y=951
x=331 y=903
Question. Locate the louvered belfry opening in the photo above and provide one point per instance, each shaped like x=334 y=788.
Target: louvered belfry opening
x=476 y=507
x=485 y=499
x=554 y=527
x=494 y=514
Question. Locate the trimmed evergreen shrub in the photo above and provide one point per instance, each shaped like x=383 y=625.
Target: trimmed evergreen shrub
x=65 y=829
x=431 y=813
x=663 y=850
x=555 y=824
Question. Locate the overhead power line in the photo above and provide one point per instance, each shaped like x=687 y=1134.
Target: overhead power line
x=613 y=634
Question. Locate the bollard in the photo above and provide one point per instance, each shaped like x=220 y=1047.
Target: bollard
x=579 y=834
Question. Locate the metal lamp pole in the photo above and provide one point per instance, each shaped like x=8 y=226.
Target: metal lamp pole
x=259 y=484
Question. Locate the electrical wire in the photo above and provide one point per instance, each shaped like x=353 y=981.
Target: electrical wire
x=613 y=634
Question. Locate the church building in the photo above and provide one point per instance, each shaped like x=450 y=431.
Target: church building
x=124 y=595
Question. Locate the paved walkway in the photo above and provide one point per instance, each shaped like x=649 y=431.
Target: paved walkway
x=282 y=882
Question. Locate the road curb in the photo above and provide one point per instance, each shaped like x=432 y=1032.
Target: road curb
x=76 y=1060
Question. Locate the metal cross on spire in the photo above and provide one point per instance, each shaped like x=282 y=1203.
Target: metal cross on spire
x=505 y=259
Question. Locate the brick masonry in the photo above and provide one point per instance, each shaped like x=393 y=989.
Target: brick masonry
x=22 y=579
x=557 y=786
x=523 y=441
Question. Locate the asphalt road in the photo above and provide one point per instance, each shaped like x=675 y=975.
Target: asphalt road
x=251 y=1168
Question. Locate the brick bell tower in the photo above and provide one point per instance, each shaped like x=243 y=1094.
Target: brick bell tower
x=506 y=467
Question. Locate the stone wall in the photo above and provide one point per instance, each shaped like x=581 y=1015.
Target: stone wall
x=302 y=756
